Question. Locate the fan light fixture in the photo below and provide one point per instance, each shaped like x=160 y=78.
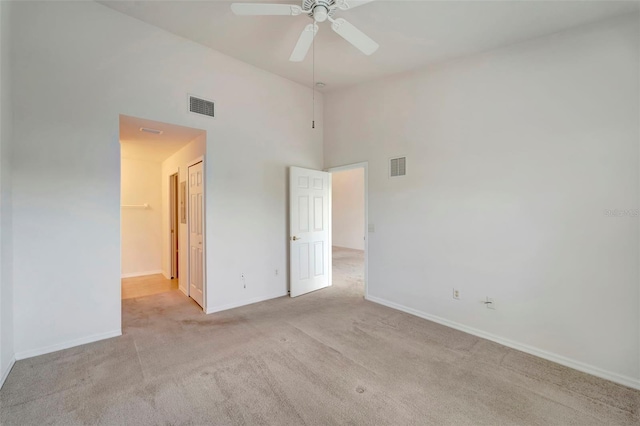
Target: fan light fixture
x=320 y=13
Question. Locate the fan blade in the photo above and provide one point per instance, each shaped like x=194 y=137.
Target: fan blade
x=304 y=43
x=354 y=36
x=351 y=4
x=265 y=9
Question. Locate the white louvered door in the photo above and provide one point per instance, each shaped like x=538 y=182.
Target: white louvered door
x=309 y=201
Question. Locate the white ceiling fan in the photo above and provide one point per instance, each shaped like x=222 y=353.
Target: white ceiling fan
x=319 y=11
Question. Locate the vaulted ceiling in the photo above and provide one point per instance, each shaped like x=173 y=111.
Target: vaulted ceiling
x=411 y=34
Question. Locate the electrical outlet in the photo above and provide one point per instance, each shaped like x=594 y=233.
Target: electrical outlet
x=244 y=283
x=456 y=294
x=490 y=303
x=276 y=272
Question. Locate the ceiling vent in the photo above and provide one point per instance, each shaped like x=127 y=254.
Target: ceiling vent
x=398 y=167
x=201 y=106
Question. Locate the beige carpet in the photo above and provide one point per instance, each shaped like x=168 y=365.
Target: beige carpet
x=325 y=358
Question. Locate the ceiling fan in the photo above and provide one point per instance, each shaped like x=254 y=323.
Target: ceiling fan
x=319 y=11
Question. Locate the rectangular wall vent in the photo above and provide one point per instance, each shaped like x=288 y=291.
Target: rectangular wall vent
x=398 y=167
x=201 y=106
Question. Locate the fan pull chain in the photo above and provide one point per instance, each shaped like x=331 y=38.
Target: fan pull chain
x=313 y=83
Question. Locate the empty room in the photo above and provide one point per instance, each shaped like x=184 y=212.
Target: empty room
x=320 y=212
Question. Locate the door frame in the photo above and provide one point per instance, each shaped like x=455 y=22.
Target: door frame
x=193 y=162
x=174 y=220
x=365 y=166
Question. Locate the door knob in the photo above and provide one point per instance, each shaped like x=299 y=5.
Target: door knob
x=295 y=238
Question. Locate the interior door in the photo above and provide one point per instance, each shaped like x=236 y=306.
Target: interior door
x=196 y=237
x=309 y=202
x=173 y=213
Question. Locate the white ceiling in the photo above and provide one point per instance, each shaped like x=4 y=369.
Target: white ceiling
x=411 y=34
x=138 y=145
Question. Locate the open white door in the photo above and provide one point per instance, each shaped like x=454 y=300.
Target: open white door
x=309 y=203
x=196 y=236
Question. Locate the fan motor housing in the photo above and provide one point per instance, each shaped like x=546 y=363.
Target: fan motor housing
x=311 y=4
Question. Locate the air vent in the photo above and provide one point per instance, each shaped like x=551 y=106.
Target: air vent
x=398 y=167
x=201 y=106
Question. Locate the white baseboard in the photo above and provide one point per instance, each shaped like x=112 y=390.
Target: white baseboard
x=66 y=345
x=6 y=372
x=244 y=302
x=142 y=274
x=559 y=359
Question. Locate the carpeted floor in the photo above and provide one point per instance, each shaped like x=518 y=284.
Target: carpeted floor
x=329 y=357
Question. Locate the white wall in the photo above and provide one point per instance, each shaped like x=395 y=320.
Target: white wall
x=513 y=156
x=178 y=162
x=141 y=229
x=81 y=65
x=347 y=209
x=6 y=280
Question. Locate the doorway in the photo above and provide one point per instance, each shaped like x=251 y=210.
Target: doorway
x=349 y=228
x=312 y=207
x=156 y=160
